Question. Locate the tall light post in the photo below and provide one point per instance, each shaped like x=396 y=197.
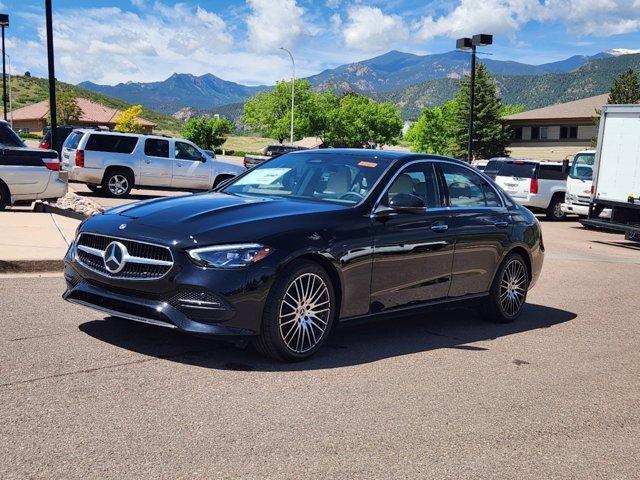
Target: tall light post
x=293 y=88
x=52 y=75
x=4 y=22
x=466 y=44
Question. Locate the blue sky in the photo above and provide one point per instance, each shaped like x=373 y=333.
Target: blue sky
x=111 y=41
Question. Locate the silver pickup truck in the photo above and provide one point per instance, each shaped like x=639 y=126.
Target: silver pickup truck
x=116 y=162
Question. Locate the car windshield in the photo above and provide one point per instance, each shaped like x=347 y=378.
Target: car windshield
x=517 y=169
x=582 y=167
x=340 y=178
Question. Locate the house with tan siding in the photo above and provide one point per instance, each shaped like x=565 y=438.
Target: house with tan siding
x=555 y=132
x=35 y=117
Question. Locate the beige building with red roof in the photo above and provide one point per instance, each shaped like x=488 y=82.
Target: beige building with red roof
x=34 y=118
x=555 y=132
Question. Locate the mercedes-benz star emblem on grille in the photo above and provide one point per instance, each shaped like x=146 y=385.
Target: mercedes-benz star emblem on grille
x=115 y=257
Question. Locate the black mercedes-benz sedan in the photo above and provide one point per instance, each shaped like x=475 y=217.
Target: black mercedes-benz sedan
x=289 y=249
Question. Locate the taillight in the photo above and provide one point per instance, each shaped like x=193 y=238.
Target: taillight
x=51 y=164
x=79 y=158
x=44 y=144
x=593 y=189
x=533 y=188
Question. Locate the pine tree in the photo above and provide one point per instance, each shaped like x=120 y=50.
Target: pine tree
x=490 y=136
x=626 y=88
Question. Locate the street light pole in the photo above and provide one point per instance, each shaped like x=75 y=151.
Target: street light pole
x=293 y=88
x=52 y=75
x=4 y=22
x=471 y=44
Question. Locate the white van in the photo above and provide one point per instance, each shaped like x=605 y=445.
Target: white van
x=535 y=185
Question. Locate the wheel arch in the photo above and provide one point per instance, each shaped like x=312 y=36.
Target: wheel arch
x=112 y=168
x=5 y=188
x=329 y=267
x=526 y=256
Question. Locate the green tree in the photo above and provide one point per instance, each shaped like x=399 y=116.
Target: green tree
x=67 y=109
x=358 y=121
x=626 y=88
x=490 y=137
x=208 y=133
x=432 y=132
x=270 y=112
x=127 y=120
x=511 y=109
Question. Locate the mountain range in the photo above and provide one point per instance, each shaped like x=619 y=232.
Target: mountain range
x=410 y=81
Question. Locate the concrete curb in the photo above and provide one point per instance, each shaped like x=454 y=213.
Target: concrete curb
x=31 y=266
x=63 y=212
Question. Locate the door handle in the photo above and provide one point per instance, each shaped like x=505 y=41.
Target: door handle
x=501 y=224
x=147 y=162
x=439 y=227
x=179 y=164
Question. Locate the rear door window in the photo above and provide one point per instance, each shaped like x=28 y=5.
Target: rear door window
x=518 y=169
x=467 y=189
x=154 y=147
x=111 y=143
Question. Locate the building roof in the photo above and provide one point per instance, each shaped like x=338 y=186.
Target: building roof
x=91 y=113
x=578 y=109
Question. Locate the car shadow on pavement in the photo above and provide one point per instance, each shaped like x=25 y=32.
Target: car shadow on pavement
x=348 y=345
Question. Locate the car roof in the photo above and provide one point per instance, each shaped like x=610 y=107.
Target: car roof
x=373 y=154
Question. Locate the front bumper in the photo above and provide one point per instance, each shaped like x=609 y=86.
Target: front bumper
x=582 y=210
x=154 y=310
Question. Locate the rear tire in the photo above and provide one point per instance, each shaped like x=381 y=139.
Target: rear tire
x=508 y=292
x=5 y=197
x=117 y=183
x=298 y=314
x=554 y=210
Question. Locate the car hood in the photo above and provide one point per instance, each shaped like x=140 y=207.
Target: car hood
x=201 y=214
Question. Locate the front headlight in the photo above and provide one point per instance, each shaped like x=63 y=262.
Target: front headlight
x=229 y=256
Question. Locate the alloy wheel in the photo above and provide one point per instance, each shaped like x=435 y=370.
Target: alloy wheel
x=118 y=184
x=513 y=287
x=305 y=311
x=557 y=210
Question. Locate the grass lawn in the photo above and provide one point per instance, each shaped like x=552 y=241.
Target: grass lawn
x=247 y=144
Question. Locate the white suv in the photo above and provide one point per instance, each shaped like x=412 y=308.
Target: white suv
x=536 y=185
x=117 y=162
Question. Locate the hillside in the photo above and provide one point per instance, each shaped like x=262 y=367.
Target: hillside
x=178 y=91
x=28 y=90
x=533 y=91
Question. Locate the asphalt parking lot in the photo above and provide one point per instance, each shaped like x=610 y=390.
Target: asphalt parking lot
x=555 y=395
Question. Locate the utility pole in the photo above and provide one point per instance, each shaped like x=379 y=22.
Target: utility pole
x=4 y=22
x=52 y=75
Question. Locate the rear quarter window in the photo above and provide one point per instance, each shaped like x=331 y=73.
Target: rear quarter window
x=111 y=143
x=73 y=140
x=517 y=169
x=552 y=172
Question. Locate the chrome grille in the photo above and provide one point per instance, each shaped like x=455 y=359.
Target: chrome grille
x=144 y=261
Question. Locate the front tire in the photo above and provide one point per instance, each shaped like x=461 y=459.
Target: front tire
x=554 y=210
x=508 y=292
x=95 y=188
x=298 y=313
x=5 y=197
x=117 y=183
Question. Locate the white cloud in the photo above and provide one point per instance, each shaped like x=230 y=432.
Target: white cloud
x=369 y=29
x=505 y=17
x=273 y=24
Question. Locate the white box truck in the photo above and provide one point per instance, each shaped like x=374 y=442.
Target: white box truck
x=616 y=176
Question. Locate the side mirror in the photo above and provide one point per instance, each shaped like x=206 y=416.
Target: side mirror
x=565 y=165
x=406 y=202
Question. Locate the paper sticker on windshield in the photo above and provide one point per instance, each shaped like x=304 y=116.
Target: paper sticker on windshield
x=262 y=176
x=367 y=164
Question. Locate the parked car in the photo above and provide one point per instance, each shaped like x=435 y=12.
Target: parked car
x=268 y=152
x=480 y=164
x=539 y=186
x=579 y=183
x=616 y=180
x=307 y=240
x=117 y=162
x=27 y=174
x=492 y=167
